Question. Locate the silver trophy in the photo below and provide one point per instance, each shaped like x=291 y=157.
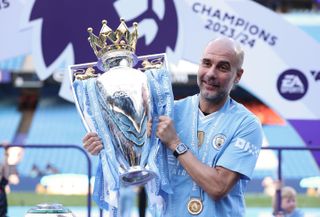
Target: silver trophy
x=113 y=99
x=48 y=209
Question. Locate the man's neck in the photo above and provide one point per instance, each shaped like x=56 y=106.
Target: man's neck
x=207 y=107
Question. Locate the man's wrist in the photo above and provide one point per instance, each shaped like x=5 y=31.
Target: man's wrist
x=174 y=144
x=180 y=149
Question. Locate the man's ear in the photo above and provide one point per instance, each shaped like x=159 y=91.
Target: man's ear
x=238 y=76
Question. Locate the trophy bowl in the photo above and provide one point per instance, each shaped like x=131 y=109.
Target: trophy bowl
x=115 y=103
x=124 y=98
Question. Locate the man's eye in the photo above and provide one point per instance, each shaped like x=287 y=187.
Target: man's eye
x=224 y=67
x=206 y=63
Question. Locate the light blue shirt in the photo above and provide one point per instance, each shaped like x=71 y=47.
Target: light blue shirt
x=231 y=138
x=295 y=213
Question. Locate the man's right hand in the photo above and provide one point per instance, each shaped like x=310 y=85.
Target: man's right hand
x=92 y=143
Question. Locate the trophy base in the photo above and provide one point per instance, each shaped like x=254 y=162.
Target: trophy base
x=136 y=175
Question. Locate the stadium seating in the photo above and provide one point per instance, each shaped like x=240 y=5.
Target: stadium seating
x=295 y=164
x=12 y=63
x=55 y=122
x=9 y=119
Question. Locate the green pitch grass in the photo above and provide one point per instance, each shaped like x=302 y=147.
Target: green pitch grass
x=31 y=199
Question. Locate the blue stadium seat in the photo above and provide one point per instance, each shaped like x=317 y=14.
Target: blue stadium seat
x=295 y=164
x=9 y=119
x=56 y=122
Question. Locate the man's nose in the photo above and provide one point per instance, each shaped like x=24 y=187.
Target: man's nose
x=212 y=71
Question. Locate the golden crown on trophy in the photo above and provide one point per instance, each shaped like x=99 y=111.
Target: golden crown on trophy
x=119 y=40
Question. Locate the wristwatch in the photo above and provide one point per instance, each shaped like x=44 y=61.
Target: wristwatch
x=180 y=149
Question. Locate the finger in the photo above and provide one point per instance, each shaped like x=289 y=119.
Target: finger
x=160 y=131
x=162 y=126
x=87 y=145
x=97 y=149
x=149 y=129
x=88 y=136
x=87 y=142
x=94 y=141
x=163 y=118
x=93 y=145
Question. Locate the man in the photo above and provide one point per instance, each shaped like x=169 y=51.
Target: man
x=214 y=141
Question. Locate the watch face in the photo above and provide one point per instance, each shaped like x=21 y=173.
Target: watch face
x=181 y=148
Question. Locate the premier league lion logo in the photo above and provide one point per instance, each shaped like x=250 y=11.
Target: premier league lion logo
x=63 y=24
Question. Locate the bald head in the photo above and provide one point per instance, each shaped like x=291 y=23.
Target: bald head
x=227 y=45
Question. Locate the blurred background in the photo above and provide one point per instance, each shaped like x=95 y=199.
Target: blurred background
x=33 y=111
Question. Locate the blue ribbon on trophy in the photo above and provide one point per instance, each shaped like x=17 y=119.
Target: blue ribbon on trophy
x=162 y=101
x=116 y=101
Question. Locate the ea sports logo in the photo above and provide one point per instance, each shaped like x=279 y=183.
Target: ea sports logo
x=292 y=84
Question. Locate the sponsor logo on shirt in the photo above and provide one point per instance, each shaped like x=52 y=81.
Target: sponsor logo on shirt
x=246 y=146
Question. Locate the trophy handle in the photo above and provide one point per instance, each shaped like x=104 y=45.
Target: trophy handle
x=73 y=70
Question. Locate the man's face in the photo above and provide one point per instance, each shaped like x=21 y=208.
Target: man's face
x=218 y=71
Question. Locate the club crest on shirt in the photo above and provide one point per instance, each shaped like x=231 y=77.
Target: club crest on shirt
x=218 y=141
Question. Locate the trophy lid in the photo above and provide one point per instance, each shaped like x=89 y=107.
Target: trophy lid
x=113 y=46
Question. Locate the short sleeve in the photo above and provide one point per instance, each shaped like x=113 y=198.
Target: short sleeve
x=242 y=152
